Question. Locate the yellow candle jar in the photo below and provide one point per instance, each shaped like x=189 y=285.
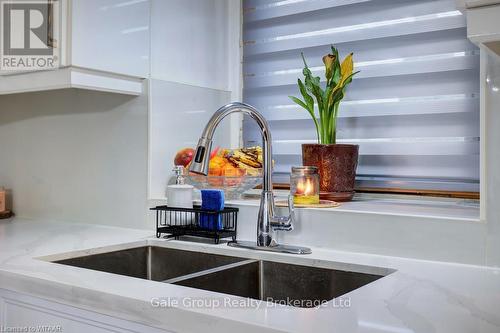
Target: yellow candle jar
x=304 y=185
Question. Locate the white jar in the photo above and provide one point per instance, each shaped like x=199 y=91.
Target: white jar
x=180 y=196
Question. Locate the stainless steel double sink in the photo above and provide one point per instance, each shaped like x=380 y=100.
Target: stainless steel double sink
x=290 y=284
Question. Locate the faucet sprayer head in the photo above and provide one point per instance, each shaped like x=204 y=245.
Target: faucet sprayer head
x=201 y=159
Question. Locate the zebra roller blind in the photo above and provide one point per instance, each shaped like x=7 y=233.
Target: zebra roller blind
x=413 y=108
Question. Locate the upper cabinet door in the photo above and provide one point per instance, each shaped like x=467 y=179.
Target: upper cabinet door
x=111 y=35
x=483 y=24
x=189 y=42
x=100 y=45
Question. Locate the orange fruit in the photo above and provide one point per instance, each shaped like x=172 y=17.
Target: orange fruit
x=216 y=166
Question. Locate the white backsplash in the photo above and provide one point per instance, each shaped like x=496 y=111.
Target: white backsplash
x=178 y=114
x=76 y=156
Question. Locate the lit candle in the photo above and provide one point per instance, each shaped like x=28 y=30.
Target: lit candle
x=305 y=185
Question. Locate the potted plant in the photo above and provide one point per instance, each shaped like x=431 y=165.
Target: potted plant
x=337 y=163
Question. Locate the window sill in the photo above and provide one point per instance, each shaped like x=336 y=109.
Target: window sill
x=396 y=225
x=388 y=204
x=450 y=209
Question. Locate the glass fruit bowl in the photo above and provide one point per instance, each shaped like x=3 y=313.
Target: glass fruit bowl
x=233 y=186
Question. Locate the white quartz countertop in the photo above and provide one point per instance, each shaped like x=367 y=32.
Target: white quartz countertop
x=420 y=296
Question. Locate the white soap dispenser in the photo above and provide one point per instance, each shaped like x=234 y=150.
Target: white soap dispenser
x=180 y=194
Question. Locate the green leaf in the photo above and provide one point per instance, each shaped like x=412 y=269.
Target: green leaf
x=348 y=80
x=316 y=89
x=311 y=112
x=304 y=60
x=302 y=104
x=299 y=102
x=327 y=93
x=307 y=98
x=337 y=96
x=336 y=68
x=306 y=71
x=327 y=99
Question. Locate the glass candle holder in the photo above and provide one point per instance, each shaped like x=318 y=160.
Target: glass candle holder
x=304 y=185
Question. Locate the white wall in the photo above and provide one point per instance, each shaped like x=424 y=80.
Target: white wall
x=492 y=159
x=195 y=69
x=179 y=113
x=76 y=156
x=386 y=229
x=80 y=156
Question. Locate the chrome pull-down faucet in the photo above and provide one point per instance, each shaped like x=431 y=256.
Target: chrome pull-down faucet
x=267 y=220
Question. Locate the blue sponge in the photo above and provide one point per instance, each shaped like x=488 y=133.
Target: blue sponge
x=212 y=200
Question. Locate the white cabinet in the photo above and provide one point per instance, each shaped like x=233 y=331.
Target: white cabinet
x=111 y=36
x=483 y=23
x=462 y=4
x=23 y=313
x=190 y=42
x=101 y=45
x=483 y=27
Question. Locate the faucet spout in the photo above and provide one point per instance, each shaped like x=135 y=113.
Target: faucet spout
x=201 y=160
x=267 y=221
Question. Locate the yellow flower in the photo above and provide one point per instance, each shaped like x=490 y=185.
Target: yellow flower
x=329 y=60
x=346 y=68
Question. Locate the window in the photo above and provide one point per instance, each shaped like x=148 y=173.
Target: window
x=413 y=109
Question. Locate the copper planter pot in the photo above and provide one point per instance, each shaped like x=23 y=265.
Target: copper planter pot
x=337 y=165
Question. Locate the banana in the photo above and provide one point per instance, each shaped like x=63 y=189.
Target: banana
x=255 y=153
x=248 y=159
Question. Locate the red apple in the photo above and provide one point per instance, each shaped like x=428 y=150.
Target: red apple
x=184 y=157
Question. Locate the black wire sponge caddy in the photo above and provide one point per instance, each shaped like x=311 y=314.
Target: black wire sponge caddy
x=176 y=222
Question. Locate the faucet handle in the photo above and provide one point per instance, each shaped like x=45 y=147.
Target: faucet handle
x=281 y=224
x=291 y=209
x=285 y=223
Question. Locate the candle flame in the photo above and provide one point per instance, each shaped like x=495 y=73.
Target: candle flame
x=305 y=188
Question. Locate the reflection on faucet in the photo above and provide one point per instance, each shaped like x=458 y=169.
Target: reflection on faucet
x=267 y=220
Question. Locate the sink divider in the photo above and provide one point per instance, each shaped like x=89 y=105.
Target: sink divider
x=149 y=263
x=210 y=271
x=261 y=279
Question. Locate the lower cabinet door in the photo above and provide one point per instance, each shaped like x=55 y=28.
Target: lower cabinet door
x=23 y=313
